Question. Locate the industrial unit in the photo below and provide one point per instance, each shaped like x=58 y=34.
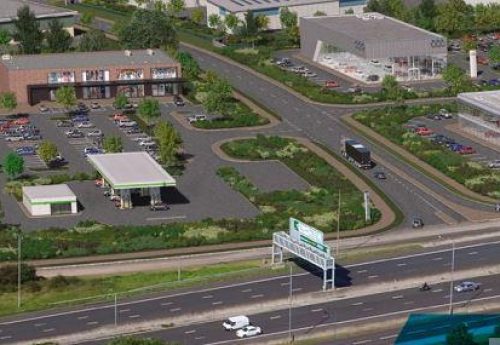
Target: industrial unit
x=132 y=173
x=94 y=75
x=369 y=46
x=49 y=200
x=479 y=114
x=272 y=8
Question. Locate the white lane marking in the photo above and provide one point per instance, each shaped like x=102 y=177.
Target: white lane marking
x=134 y=316
x=473 y=253
x=398 y=297
x=175 y=309
x=82 y=317
x=40 y=324
x=437 y=290
x=357 y=303
x=285 y=284
x=488 y=290
x=190 y=331
x=408 y=302
x=257 y=296
x=386 y=337
x=246 y=290
x=217 y=302
x=90 y=323
x=316 y=310
x=46 y=330
x=367 y=309
x=437 y=259
x=124 y=310
x=373 y=276
x=166 y=303
x=275 y=317
x=199 y=337
x=362 y=342
x=296 y=289
x=208 y=296
x=401 y=265
x=362 y=271
x=5 y=337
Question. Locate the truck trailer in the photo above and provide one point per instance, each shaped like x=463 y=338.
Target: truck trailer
x=357 y=153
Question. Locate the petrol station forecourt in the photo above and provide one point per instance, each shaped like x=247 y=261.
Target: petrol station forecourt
x=132 y=171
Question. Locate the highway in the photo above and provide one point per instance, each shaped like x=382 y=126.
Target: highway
x=323 y=124
x=310 y=318
x=41 y=325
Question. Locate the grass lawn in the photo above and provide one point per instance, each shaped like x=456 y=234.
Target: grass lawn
x=53 y=292
x=316 y=206
x=389 y=122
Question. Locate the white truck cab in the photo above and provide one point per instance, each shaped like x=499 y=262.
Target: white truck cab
x=236 y=322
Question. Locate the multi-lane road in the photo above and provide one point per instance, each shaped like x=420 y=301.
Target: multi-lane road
x=50 y=324
x=322 y=124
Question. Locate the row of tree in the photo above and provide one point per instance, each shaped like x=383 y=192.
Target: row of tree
x=452 y=17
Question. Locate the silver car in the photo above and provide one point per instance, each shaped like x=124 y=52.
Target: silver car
x=467 y=287
x=494 y=164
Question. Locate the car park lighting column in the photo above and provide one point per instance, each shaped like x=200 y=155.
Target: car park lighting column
x=451 y=278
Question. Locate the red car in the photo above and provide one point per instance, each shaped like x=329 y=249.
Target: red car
x=482 y=60
x=423 y=131
x=466 y=150
x=21 y=121
x=120 y=117
x=331 y=84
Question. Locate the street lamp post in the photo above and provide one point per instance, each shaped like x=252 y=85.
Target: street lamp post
x=452 y=276
x=19 y=267
x=290 y=302
x=338 y=229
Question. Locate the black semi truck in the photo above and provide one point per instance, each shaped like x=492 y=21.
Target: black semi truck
x=357 y=153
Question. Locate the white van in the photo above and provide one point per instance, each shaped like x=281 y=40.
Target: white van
x=236 y=322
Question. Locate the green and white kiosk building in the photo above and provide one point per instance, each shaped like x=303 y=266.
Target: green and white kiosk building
x=132 y=172
x=49 y=200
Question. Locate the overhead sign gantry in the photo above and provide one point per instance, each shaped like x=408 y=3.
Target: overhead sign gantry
x=306 y=242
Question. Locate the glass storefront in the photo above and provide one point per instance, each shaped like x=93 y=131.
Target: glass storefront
x=164 y=73
x=131 y=74
x=95 y=75
x=96 y=92
x=132 y=91
x=159 y=90
x=61 y=77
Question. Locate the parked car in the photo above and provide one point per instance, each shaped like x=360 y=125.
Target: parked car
x=133 y=130
x=25 y=151
x=64 y=123
x=482 y=60
x=380 y=175
x=309 y=74
x=120 y=117
x=159 y=207
x=80 y=118
x=95 y=105
x=407 y=88
x=178 y=101
x=85 y=124
x=445 y=114
x=14 y=138
x=466 y=150
x=32 y=136
x=417 y=223
x=455 y=147
x=423 y=131
x=494 y=82
x=494 y=164
x=74 y=133
x=196 y=118
x=434 y=117
x=467 y=287
x=91 y=151
x=248 y=331
x=283 y=62
x=95 y=134
x=43 y=108
x=142 y=138
x=236 y=322
x=373 y=77
x=331 y=84
x=354 y=89
x=146 y=143
x=21 y=121
x=127 y=123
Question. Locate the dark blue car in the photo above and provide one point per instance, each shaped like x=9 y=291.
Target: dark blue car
x=455 y=147
x=25 y=151
x=80 y=118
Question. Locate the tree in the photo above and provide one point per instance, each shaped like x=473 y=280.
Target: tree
x=8 y=274
x=250 y=28
x=5 y=38
x=219 y=93
x=456 y=79
x=121 y=100
x=175 y=7
x=454 y=17
x=289 y=22
x=91 y=41
x=391 y=88
x=148 y=29
x=425 y=14
x=214 y=21
x=198 y=16
x=65 y=96
x=319 y=14
x=8 y=100
x=112 y=144
x=460 y=336
x=231 y=21
x=168 y=141
x=47 y=151
x=494 y=54
x=149 y=110
x=27 y=31
x=262 y=22
x=13 y=165
x=87 y=18
x=190 y=67
x=58 y=39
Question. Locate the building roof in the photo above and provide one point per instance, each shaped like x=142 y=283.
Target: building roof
x=129 y=170
x=8 y=10
x=373 y=26
x=247 y=5
x=49 y=193
x=88 y=59
x=486 y=100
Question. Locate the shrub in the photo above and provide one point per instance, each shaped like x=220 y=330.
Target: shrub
x=59 y=281
x=8 y=274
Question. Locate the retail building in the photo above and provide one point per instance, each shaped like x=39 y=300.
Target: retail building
x=48 y=200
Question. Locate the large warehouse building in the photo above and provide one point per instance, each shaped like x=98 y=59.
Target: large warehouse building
x=95 y=75
x=479 y=114
x=272 y=8
x=132 y=173
x=369 y=46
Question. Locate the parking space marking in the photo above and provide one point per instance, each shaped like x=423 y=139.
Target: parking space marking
x=275 y=317
x=91 y=323
x=190 y=331
x=217 y=303
x=257 y=296
x=175 y=309
x=134 y=316
x=246 y=290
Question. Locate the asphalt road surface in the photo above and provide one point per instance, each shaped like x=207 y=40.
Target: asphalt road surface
x=323 y=124
x=316 y=317
x=48 y=324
